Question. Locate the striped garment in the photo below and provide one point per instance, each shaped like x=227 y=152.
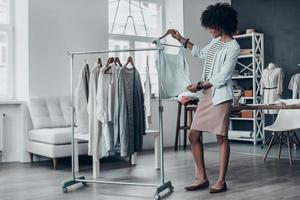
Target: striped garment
x=210 y=57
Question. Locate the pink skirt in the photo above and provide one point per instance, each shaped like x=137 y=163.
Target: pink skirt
x=212 y=118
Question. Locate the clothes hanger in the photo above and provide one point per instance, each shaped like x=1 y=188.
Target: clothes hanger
x=109 y=61
x=117 y=61
x=130 y=60
x=99 y=62
x=99 y=65
x=170 y=31
x=86 y=64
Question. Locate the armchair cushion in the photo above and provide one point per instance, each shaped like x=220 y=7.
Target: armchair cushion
x=53 y=136
x=50 y=112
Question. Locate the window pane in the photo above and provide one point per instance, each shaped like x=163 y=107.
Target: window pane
x=3 y=64
x=3 y=49
x=119 y=44
x=3 y=82
x=135 y=23
x=4 y=11
x=141 y=63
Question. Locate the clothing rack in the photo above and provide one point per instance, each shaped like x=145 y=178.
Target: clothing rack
x=81 y=179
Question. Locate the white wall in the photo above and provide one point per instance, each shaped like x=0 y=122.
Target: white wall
x=58 y=26
x=192 y=10
x=14 y=137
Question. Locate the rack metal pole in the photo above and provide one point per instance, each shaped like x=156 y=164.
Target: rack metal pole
x=164 y=185
x=160 y=188
x=72 y=118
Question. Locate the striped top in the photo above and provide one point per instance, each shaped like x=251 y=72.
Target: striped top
x=210 y=57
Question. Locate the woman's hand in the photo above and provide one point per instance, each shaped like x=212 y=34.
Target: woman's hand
x=193 y=87
x=176 y=35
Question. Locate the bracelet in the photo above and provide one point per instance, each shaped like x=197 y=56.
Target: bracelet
x=185 y=44
x=200 y=85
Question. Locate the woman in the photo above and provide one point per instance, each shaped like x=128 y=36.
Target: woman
x=213 y=110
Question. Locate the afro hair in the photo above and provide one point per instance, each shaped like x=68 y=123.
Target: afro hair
x=220 y=16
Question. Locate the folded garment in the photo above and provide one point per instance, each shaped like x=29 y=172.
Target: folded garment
x=192 y=95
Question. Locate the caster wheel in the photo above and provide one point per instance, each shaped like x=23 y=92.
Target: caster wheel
x=84 y=183
x=65 y=190
x=172 y=189
x=157 y=197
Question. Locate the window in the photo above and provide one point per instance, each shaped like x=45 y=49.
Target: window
x=6 y=31
x=136 y=34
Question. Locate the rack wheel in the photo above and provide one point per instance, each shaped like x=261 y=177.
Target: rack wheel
x=157 y=197
x=65 y=190
x=84 y=183
x=172 y=189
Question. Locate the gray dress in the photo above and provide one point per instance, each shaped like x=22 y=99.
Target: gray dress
x=129 y=118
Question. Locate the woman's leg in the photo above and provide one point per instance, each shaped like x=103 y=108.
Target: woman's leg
x=195 y=138
x=224 y=159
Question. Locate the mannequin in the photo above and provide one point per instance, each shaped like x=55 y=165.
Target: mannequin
x=271 y=85
x=294 y=85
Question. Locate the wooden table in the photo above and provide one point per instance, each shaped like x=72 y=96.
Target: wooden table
x=264 y=107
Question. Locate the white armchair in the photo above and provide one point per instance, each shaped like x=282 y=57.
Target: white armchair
x=51 y=133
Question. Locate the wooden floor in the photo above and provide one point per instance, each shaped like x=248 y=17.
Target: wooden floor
x=248 y=178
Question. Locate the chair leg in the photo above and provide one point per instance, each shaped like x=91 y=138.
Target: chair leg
x=177 y=126
x=54 y=162
x=289 y=147
x=280 y=145
x=296 y=138
x=185 y=128
x=191 y=119
x=31 y=157
x=269 y=147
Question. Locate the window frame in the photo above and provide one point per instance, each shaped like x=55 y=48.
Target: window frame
x=132 y=39
x=9 y=29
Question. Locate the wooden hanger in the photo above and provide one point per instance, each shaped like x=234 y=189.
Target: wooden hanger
x=170 y=31
x=99 y=65
x=109 y=61
x=117 y=61
x=99 y=62
x=129 y=60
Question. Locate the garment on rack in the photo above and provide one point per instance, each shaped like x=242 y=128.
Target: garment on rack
x=271 y=85
x=294 y=85
x=147 y=97
x=174 y=73
x=81 y=99
x=115 y=70
x=95 y=128
x=103 y=107
x=129 y=118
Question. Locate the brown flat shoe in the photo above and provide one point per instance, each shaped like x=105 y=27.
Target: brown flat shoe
x=197 y=187
x=214 y=190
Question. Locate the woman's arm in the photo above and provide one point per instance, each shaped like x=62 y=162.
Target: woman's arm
x=196 y=51
x=175 y=34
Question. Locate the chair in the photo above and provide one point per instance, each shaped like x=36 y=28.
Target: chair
x=189 y=108
x=50 y=135
x=284 y=127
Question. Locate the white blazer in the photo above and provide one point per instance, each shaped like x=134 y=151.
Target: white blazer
x=224 y=64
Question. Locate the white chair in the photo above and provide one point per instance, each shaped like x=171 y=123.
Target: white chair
x=285 y=125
